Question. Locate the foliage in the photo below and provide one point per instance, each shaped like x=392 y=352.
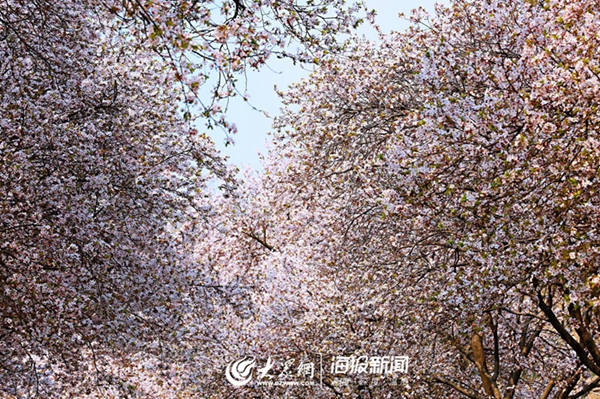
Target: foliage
x=437 y=195
x=103 y=181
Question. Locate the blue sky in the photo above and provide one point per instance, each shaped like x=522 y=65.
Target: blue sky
x=252 y=125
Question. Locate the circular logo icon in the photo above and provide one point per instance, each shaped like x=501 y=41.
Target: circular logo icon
x=238 y=372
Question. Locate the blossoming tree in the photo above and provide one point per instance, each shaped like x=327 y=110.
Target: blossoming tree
x=437 y=195
x=103 y=179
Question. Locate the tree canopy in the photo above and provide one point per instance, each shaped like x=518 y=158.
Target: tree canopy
x=434 y=194
x=103 y=179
